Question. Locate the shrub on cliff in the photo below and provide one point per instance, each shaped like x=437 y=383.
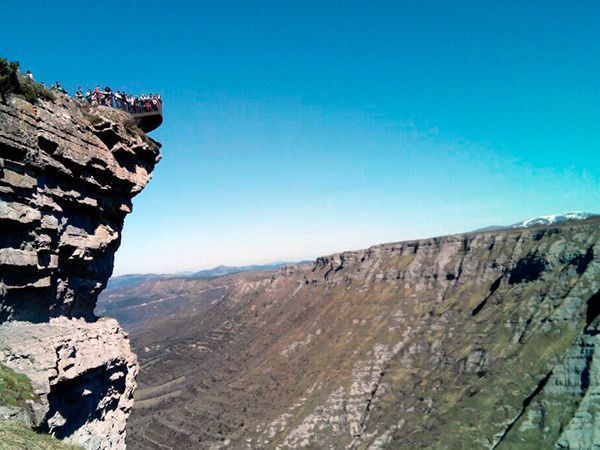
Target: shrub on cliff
x=32 y=91
x=9 y=78
x=11 y=83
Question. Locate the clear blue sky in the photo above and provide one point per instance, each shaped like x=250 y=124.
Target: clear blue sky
x=300 y=128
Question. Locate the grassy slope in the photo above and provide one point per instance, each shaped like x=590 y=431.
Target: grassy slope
x=16 y=390
x=14 y=435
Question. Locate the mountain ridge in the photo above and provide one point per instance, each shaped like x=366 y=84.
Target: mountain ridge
x=130 y=280
x=541 y=221
x=141 y=302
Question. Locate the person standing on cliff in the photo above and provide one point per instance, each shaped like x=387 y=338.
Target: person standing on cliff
x=108 y=96
x=96 y=96
x=57 y=87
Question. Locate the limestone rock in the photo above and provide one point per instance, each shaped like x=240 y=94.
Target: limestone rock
x=84 y=373
x=67 y=176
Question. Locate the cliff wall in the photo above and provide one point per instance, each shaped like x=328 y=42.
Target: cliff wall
x=67 y=177
x=481 y=340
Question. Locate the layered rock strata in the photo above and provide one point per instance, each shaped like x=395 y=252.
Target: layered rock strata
x=482 y=340
x=67 y=178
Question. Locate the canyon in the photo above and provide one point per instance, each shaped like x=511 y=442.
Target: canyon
x=479 y=340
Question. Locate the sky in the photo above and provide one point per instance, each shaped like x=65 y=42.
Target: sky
x=294 y=129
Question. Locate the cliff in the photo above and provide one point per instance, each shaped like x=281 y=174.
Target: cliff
x=481 y=340
x=67 y=177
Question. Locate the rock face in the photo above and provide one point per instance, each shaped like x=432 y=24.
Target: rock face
x=84 y=373
x=67 y=177
x=482 y=340
x=66 y=182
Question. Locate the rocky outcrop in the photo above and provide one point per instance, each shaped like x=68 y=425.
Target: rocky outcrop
x=67 y=177
x=83 y=372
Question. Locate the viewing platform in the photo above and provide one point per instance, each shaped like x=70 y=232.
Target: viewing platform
x=148 y=120
x=147 y=110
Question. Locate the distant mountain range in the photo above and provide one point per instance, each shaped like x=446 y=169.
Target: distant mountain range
x=554 y=219
x=131 y=280
x=226 y=270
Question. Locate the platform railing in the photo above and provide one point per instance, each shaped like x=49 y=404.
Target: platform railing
x=139 y=105
x=146 y=109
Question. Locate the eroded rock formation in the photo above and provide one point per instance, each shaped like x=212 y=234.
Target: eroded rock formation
x=67 y=177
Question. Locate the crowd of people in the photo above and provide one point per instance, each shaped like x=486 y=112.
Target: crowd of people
x=115 y=99
x=120 y=100
x=108 y=97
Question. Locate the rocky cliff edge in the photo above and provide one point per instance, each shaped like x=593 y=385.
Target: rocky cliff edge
x=68 y=174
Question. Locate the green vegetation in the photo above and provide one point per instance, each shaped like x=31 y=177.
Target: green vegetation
x=15 y=388
x=9 y=79
x=32 y=91
x=15 y=435
x=11 y=83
